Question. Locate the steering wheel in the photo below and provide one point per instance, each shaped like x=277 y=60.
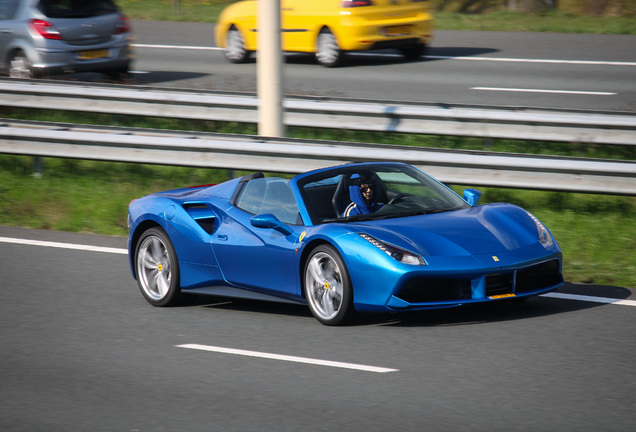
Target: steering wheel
x=399 y=197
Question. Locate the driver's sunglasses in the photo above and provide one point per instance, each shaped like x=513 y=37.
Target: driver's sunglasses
x=365 y=187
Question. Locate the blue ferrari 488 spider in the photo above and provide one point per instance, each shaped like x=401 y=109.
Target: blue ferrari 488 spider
x=370 y=237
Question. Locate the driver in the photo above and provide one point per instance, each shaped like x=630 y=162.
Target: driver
x=363 y=196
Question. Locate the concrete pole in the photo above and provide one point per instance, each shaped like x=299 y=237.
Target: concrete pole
x=269 y=69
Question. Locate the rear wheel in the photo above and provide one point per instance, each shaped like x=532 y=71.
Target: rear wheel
x=157 y=268
x=328 y=53
x=328 y=287
x=20 y=67
x=235 y=50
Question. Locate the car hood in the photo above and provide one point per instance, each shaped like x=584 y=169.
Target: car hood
x=479 y=230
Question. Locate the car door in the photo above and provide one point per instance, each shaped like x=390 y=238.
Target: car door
x=298 y=18
x=260 y=258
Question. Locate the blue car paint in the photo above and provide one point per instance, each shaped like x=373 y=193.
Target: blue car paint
x=196 y=258
x=257 y=257
x=464 y=244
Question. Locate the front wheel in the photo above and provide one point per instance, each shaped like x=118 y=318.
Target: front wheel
x=157 y=268
x=328 y=287
x=328 y=53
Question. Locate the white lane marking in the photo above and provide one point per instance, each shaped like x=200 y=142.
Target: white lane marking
x=607 y=300
x=63 y=245
x=522 y=60
x=295 y=359
x=576 y=92
x=200 y=48
x=89 y=248
x=494 y=59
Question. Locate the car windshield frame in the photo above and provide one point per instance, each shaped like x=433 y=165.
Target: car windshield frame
x=417 y=193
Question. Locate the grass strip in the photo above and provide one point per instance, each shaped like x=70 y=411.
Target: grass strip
x=587 y=150
x=494 y=18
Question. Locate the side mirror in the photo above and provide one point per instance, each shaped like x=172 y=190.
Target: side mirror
x=472 y=196
x=270 y=221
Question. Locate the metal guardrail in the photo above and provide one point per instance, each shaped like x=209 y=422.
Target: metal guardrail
x=434 y=119
x=196 y=149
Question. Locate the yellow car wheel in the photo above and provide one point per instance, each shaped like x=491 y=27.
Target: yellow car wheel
x=328 y=52
x=235 y=50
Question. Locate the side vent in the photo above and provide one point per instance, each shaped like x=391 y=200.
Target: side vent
x=202 y=215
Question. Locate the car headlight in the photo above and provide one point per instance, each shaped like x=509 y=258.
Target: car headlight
x=398 y=254
x=544 y=235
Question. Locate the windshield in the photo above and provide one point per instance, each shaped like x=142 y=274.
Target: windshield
x=375 y=191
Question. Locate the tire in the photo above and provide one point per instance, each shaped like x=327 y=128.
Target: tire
x=235 y=50
x=328 y=53
x=327 y=287
x=20 y=66
x=413 y=52
x=157 y=268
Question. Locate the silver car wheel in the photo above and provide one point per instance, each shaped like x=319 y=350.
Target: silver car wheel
x=327 y=286
x=324 y=285
x=328 y=52
x=157 y=268
x=235 y=46
x=20 y=67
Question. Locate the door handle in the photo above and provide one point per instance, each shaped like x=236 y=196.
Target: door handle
x=222 y=237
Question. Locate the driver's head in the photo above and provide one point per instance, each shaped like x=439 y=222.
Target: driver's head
x=367 y=190
x=362 y=185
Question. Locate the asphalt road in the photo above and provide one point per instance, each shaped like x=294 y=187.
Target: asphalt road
x=81 y=350
x=574 y=71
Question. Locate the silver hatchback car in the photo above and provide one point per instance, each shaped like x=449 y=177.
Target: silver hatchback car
x=46 y=37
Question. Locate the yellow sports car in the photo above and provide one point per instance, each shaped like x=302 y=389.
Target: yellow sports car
x=330 y=28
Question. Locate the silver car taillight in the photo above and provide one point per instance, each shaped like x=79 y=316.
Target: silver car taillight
x=46 y=29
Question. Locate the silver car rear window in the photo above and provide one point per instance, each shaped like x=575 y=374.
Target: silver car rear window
x=76 y=8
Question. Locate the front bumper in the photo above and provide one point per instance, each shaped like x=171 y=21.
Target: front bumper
x=440 y=292
x=448 y=281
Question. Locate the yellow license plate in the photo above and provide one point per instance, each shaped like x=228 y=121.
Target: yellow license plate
x=93 y=54
x=397 y=30
x=501 y=296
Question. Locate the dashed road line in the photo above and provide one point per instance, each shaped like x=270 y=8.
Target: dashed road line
x=198 y=48
x=288 y=358
x=549 y=61
x=571 y=92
